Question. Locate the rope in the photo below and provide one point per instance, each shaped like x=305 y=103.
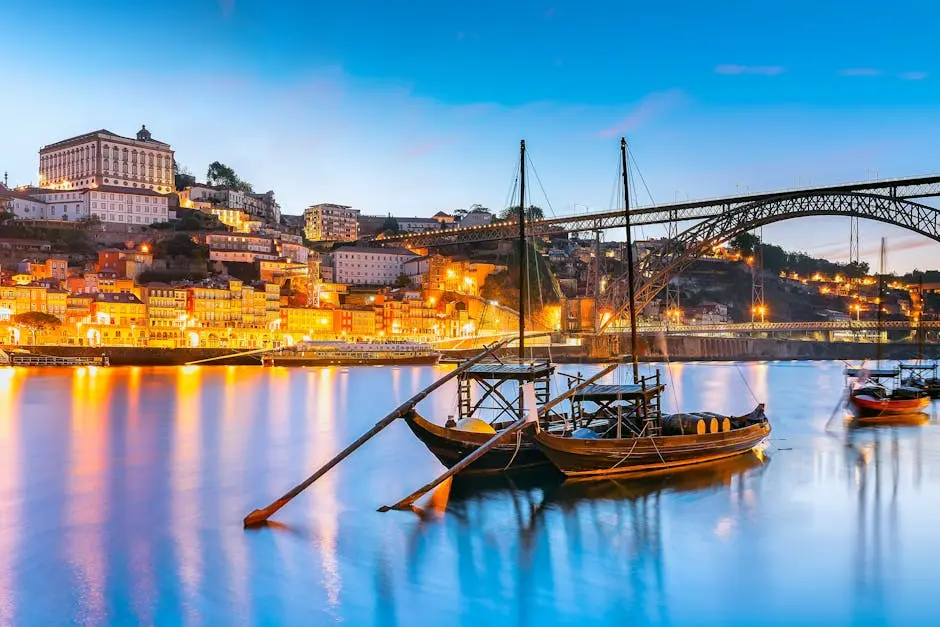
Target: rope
x=515 y=452
x=746 y=384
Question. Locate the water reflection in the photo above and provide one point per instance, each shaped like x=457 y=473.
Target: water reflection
x=122 y=491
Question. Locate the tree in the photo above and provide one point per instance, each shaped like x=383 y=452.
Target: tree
x=223 y=175
x=744 y=243
x=182 y=177
x=390 y=226
x=402 y=281
x=532 y=212
x=36 y=321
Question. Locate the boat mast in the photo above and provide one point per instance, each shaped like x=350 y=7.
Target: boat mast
x=630 y=279
x=523 y=253
x=881 y=297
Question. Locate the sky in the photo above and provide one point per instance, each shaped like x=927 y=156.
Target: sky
x=414 y=107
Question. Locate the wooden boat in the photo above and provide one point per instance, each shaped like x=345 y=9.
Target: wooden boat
x=920 y=375
x=496 y=397
x=630 y=436
x=517 y=452
x=489 y=396
x=623 y=430
x=875 y=401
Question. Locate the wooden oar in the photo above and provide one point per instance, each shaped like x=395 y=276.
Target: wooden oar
x=260 y=516
x=408 y=501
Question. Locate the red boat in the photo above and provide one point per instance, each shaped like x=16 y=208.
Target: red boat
x=875 y=401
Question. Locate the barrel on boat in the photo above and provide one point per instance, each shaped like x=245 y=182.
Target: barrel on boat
x=683 y=424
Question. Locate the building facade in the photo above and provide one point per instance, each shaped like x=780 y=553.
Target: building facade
x=102 y=158
x=361 y=265
x=331 y=222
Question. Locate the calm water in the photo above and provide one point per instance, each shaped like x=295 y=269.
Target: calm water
x=122 y=492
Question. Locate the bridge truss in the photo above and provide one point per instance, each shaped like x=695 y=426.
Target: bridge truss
x=892 y=201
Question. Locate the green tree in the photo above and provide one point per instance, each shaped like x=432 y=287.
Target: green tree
x=36 y=321
x=744 y=243
x=532 y=212
x=223 y=175
x=403 y=281
x=390 y=226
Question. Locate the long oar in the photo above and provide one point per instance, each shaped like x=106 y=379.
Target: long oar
x=260 y=516
x=409 y=500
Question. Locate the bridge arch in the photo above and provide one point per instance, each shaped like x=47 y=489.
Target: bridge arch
x=656 y=269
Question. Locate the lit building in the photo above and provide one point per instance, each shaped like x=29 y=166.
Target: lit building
x=240 y=247
x=210 y=198
x=102 y=158
x=331 y=222
x=361 y=265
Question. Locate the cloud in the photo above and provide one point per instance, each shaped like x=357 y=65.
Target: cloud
x=914 y=76
x=861 y=71
x=649 y=107
x=757 y=70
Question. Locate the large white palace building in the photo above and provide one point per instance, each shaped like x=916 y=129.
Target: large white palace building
x=121 y=181
x=103 y=158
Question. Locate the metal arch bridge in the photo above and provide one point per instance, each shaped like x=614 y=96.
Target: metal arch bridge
x=905 y=189
x=892 y=204
x=725 y=328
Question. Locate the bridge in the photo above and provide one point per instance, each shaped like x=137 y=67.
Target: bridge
x=890 y=201
x=778 y=327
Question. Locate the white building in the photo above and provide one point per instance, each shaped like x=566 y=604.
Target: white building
x=113 y=205
x=102 y=158
x=361 y=265
x=331 y=222
x=476 y=218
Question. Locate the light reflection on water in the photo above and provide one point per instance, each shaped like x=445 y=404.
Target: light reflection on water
x=122 y=493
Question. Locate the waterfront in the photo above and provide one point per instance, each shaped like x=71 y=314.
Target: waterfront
x=122 y=492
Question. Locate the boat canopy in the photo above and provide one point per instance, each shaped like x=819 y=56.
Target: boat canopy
x=872 y=374
x=919 y=367
x=507 y=370
x=631 y=391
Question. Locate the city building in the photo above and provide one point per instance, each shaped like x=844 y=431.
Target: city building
x=373 y=225
x=102 y=158
x=206 y=198
x=477 y=217
x=241 y=247
x=331 y=222
x=362 y=265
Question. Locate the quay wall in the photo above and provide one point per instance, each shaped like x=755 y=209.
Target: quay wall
x=675 y=348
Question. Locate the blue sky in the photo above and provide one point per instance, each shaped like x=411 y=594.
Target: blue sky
x=414 y=107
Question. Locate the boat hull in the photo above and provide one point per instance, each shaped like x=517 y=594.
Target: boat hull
x=450 y=446
x=606 y=457
x=418 y=360
x=870 y=408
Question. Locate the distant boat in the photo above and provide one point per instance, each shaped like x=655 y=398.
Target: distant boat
x=352 y=354
x=872 y=400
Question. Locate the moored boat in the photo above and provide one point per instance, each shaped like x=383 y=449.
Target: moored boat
x=488 y=399
x=619 y=429
x=359 y=353
x=629 y=435
x=873 y=400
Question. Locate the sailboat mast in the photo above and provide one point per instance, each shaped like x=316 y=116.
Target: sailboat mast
x=881 y=298
x=523 y=253
x=630 y=278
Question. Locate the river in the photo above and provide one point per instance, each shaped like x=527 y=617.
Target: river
x=122 y=492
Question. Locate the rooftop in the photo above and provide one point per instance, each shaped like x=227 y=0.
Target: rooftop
x=98 y=133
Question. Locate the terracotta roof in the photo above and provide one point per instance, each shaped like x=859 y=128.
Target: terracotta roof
x=92 y=134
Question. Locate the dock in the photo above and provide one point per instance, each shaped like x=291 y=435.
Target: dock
x=16 y=358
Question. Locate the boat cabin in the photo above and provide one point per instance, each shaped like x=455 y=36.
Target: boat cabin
x=618 y=410
x=492 y=390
